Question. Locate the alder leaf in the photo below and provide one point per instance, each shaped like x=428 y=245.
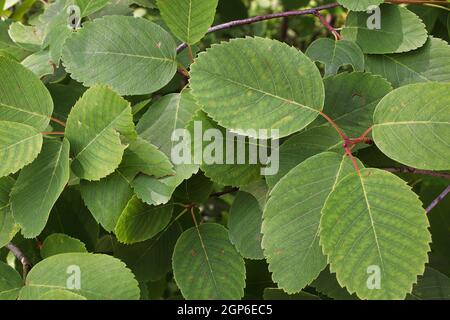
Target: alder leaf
x=374 y=227
x=155 y=191
x=171 y=112
x=327 y=285
x=244 y=225
x=142 y=156
x=351 y=99
x=23 y=97
x=278 y=294
x=94 y=127
x=399 y=30
x=7 y=46
x=19 y=145
x=291 y=220
x=10 y=282
x=429 y=63
x=95 y=284
x=8 y=227
x=207 y=266
x=303 y=145
x=140 y=221
x=335 y=54
x=38 y=187
x=359 y=5
x=224 y=171
x=433 y=285
x=411 y=125
x=107 y=198
x=152 y=259
x=257 y=83
x=58 y=243
x=189 y=20
x=137 y=56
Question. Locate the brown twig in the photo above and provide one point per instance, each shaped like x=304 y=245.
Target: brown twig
x=251 y=20
x=418 y=171
x=218 y=194
x=439 y=198
x=26 y=264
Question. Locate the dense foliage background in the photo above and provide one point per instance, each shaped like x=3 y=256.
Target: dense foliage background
x=93 y=207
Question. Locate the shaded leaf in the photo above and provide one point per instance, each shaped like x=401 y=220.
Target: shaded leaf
x=207 y=266
x=58 y=243
x=38 y=187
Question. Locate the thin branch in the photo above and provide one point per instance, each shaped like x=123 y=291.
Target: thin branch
x=417 y=1
x=218 y=194
x=26 y=264
x=251 y=20
x=418 y=171
x=439 y=198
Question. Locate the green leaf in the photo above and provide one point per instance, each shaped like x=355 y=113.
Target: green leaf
x=411 y=125
x=335 y=54
x=38 y=187
x=303 y=145
x=207 y=266
x=107 y=198
x=8 y=227
x=59 y=294
x=142 y=156
x=400 y=30
x=88 y=7
x=7 y=46
x=57 y=272
x=220 y=171
x=189 y=20
x=23 y=97
x=94 y=127
x=171 y=112
x=244 y=225
x=291 y=220
x=140 y=221
x=38 y=63
x=351 y=99
x=10 y=282
x=429 y=63
x=152 y=259
x=278 y=294
x=58 y=243
x=327 y=285
x=267 y=83
x=374 y=227
x=155 y=191
x=197 y=189
x=19 y=145
x=433 y=285
x=359 y=5
x=28 y=37
x=141 y=52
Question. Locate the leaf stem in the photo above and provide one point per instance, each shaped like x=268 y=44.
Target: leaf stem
x=62 y=123
x=26 y=264
x=254 y=19
x=218 y=194
x=439 y=198
x=330 y=28
x=53 y=133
